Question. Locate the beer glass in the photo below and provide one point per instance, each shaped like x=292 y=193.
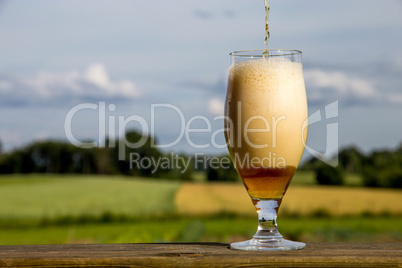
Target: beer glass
x=266 y=130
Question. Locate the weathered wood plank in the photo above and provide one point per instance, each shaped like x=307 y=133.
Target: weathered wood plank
x=200 y=254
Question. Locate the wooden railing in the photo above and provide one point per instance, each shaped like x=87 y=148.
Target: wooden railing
x=200 y=254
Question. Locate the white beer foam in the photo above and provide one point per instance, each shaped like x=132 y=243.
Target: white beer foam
x=269 y=88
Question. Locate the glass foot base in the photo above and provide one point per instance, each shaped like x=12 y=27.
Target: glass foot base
x=254 y=245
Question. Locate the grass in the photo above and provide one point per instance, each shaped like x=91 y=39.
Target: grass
x=105 y=209
x=208 y=229
x=135 y=232
x=37 y=196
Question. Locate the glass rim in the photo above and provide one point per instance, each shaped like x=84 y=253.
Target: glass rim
x=248 y=53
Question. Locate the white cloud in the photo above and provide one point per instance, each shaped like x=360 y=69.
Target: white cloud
x=47 y=84
x=97 y=74
x=395 y=98
x=324 y=85
x=340 y=82
x=216 y=106
x=94 y=83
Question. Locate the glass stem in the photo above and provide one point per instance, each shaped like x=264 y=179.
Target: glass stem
x=267 y=228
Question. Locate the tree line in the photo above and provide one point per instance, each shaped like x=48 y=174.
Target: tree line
x=61 y=157
x=381 y=168
x=378 y=169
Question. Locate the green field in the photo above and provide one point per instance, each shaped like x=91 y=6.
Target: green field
x=213 y=229
x=38 y=209
x=34 y=197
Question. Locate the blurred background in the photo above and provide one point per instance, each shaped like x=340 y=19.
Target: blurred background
x=121 y=58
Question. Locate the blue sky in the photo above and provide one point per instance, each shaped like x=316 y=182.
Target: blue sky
x=132 y=54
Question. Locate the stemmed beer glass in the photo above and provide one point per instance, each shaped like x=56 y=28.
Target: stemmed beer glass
x=266 y=130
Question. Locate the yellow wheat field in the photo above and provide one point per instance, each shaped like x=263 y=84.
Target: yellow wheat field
x=210 y=198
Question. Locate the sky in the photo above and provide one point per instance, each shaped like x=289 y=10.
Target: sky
x=158 y=65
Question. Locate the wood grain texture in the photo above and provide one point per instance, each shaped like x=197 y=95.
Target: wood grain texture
x=200 y=255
